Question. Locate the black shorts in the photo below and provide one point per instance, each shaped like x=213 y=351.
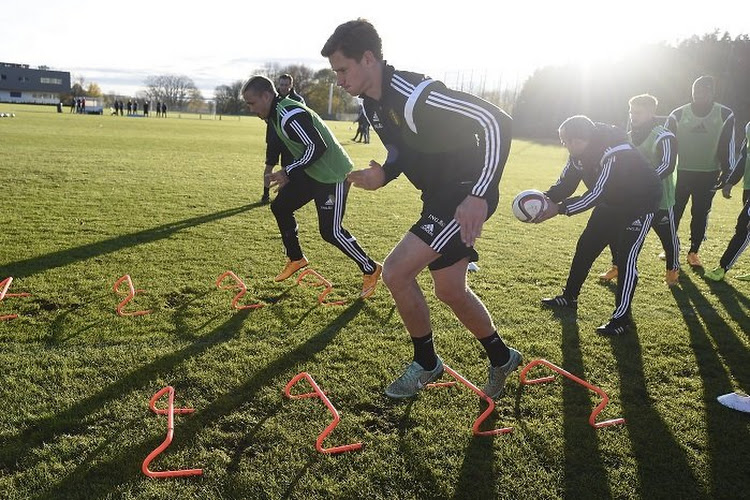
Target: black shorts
x=441 y=232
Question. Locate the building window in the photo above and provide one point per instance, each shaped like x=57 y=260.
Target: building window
x=53 y=81
x=15 y=94
x=23 y=79
x=3 y=77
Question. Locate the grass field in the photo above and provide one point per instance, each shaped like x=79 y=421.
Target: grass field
x=172 y=203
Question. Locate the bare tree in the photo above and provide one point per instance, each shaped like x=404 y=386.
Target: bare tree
x=228 y=99
x=177 y=91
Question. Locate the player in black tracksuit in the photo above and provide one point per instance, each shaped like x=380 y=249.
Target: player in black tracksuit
x=741 y=238
x=452 y=146
x=624 y=191
x=275 y=147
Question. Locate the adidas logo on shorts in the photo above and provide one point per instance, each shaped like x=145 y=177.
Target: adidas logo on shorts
x=428 y=228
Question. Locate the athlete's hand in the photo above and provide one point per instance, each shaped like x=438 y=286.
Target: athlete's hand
x=726 y=191
x=552 y=210
x=470 y=215
x=370 y=178
x=278 y=179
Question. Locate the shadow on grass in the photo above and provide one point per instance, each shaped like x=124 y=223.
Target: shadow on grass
x=477 y=476
x=124 y=465
x=585 y=474
x=662 y=464
x=733 y=300
x=14 y=452
x=29 y=267
x=726 y=430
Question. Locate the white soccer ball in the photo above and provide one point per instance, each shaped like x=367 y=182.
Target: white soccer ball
x=528 y=204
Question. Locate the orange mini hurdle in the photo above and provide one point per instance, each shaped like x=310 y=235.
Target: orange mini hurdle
x=169 y=412
x=542 y=380
x=486 y=413
x=238 y=285
x=4 y=285
x=131 y=293
x=321 y=281
x=318 y=393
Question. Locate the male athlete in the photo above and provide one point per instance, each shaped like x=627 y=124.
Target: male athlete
x=318 y=173
x=453 y=147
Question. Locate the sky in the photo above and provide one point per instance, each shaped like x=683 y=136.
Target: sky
x=119 y=44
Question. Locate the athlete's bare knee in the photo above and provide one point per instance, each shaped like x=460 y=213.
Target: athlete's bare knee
x=394 y=277
x=452 y=294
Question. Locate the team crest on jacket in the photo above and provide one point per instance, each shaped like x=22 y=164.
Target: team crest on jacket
x=376 y=121
x=394 y=117
x=428 y=228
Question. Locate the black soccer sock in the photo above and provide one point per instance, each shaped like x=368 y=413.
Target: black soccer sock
x=424 y=351
x=497 y=351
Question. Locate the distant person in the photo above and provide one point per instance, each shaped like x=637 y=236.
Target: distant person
x=83 y=105
x=286 y=88
x=741 y=238
x=362 y=125
x=452 y=146
x=135 y=107
x=275 y=147
x=130 y=107
x=72 y=104
x=317 y=173
x=705 y=134
x=158 y=109
x=164 y=110
x=78 y=105
x=145 y=108
x=624 y=191
x=659 y=146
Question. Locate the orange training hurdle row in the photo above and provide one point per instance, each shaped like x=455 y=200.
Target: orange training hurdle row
x=321 y=281
x=318 y=393
x=238 y=284
x=4 y=285
x=169 y=412
x=490 y=403
x=131 y=293
x=599 y=407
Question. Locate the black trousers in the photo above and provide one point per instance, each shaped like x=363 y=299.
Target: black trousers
x=741 y=238
x=627 y=232
x=666 y=229
x=699 y=186
x=330 y=202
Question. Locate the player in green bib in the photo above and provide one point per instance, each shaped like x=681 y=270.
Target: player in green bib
x=659 y=146
x=705 y=133
x=318 y=173
x=741 y=238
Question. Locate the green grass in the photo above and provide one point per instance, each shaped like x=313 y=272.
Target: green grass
x=171 y=202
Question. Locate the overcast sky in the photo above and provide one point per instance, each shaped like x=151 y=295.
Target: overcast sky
x=119 y=44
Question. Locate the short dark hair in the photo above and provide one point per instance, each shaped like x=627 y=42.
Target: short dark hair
x=258 y=84
x=353 y=39
x=578 y=127
x=287 y=76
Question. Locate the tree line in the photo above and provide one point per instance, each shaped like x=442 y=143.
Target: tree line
x=602 y=90
x=551 y=94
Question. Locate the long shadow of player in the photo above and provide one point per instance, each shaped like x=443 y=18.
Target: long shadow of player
x=29 y=267
x=124 y=465
x=728 y=470
x=661 y=461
